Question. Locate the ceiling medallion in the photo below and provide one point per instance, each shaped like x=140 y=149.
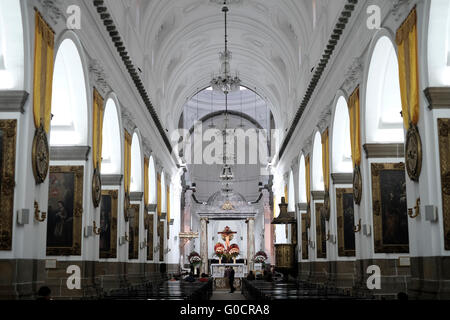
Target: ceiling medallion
x=413 y=153
x=225 y=82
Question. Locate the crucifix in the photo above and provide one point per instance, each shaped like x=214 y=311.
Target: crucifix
x=227 y=235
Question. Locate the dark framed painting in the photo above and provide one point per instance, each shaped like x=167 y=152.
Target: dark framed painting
x=345 y=222
x=108 y=224
x=150 y=232
x=133 y=235
x=8 y=135
x=390 y=217
x=65 y=211
x=305 y=241
x=321 y=236
x=161 y=240
x=444 y=151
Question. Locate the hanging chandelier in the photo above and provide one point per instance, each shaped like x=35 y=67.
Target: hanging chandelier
x=225 y=82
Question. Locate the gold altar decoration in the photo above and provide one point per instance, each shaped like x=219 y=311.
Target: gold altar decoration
x=355 y=136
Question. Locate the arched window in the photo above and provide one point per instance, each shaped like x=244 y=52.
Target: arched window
x=69 y=125
x=111 y=150
x=291 y=194
x=152 y=181
x=439 y=44
x=11 y=46
x=302 y=180
x=384 y=123
x=317 y=172
x=341 y=144
x=136 y=165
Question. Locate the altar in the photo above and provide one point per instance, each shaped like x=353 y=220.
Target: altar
x=218 y=274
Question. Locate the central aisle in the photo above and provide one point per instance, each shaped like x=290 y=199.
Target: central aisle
x=226 y=295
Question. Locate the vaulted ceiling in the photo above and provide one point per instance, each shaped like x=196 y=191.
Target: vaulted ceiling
x=176 y=44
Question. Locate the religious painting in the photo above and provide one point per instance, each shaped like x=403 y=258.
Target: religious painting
x=150 y=228
x=390 y=208
x=345 y=222
x=161 y=240
x=444 y=151
x=65 y=210
x=108 y=224
x=8 y=134
x=133 y=235
x=304 y=237
x=321 y=237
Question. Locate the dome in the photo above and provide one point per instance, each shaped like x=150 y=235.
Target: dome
x=220 y=198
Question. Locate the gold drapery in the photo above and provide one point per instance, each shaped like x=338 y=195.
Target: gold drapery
x=408 y=69
x=146 y=181
x=355 y=125
x=97 y=135
x=159 y=207
x=308 y=180
x=43 y=73
x=274 y=206
x=286 y=193
x=127 y=164
x=326 y=160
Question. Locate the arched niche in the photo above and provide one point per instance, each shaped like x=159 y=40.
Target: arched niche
x=317 y=172
x=163 y=193
x=341 y=143
x=111 y=135
x=69 y=125
x=11 y=46
x=439 y=44
x=136 y=165
x=152 y=181
x=302 y=180
x=291 y=193
x=383 y=120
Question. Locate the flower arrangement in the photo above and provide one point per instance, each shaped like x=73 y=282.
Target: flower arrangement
x=234 y=250
x=260 y=257
x=219 y=249
x=195 y=259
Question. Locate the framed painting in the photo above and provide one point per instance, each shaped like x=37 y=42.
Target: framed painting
x=150 y=227
x=161 y=240
x=304 y=237
x=65 y=211
x=321 y=237
x=444 y=151
x=345 y=222
x=108 y=224
x=390 y=217
x=8 y=135
x=133 y=235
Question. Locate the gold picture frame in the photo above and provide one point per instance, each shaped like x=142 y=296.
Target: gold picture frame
x=8 y=137
x=161 y=240
x=390 y=216
x=133 y=233
x=345 y=222
x=65 y=211
x=305 y=242
x=150 y=232
x=108 y=224
x=444 y=152
x=321 y=238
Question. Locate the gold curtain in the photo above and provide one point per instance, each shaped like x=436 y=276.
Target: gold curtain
x=97 y=135
x=146 y=181
x=43 y=73
x=355 y=132
x=159 y=194
x=168 y=203
x=127 y=159
x=274 y=206
x=408 y=69
x=308 y=179
x=286 y=193
x=326 y=160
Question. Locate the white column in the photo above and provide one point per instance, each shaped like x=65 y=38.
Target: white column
x=204 y=245
x=250 y=243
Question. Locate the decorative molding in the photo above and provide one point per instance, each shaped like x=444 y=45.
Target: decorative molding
x=353 y=76
x=318 y=195
x=384 y=150
x=98 y=77
x=128 y=121
x=146 y=148
x=72 y=153
x=302 y=206
x=52 y=10
x=13 y=101
x=136 y=196
x=308 y=146
x=400 y=8
x=112 y=179
x=342 y=178
x=294 y=163
x=152 y=207
x=438 y=97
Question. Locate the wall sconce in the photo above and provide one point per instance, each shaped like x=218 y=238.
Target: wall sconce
x=331 y=237
x=38 y=215
x=156 y=249
x=357 y=228
x=96 y=230
x=144 y=244
x=123 y=239
x=414 y=213
x=167 y=250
